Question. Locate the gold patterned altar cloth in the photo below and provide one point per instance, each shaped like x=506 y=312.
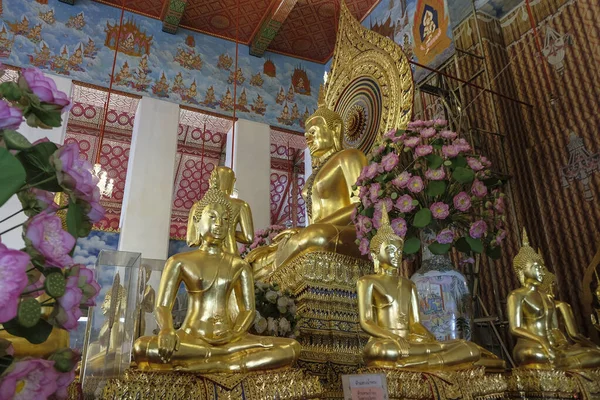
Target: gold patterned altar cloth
x=285 y=384
x=552 y=384
x=332 y=340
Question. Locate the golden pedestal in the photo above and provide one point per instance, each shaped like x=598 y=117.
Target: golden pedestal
x=285 y=384
x=471 y=383
x=330 y=334
x=553 y=384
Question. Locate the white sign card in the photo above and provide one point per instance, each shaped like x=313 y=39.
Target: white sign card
x=365 y=387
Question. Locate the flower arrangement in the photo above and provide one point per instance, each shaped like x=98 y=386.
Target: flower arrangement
x=275 y=311
x=42 y=287
x=262 y=237
x=429 y=179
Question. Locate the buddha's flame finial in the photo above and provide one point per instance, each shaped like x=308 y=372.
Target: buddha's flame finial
x=525 y=239
x=321 y=100
x=384 y=234
x=385 y=218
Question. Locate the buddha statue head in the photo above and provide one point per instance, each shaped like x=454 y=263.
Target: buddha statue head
x=226 y=179
x=386 y=247
x=210 y=219
x=528 y=264
x=323 y=129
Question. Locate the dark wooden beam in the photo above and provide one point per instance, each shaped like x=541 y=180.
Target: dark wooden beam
x=270 y=26
x=71 y=2
x=172 y=13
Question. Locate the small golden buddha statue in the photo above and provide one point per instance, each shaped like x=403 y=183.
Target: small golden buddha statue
x=389 y=311
x=211 y=338
x=533 y=315
x=240 y=215
x=327 y=192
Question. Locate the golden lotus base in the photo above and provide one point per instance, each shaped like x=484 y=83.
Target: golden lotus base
x=553 y=384
x=284 y=384
x=471 y=383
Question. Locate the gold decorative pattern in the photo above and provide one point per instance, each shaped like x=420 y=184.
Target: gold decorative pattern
x=368 y=68
x=525 y=383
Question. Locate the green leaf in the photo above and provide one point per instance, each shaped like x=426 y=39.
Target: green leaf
x=77 y=221
x=36 y=161
x=11 y=91
x=368 y=212
x=435 y=188
x=459 y=161
x=462 y=245
x=46 y=116
x=438 y=248
x=422 y=218
x=35 y=335
x=412 y=245
x=494 y=252
x=12 y=175
x=475 y=244
x=434 y=161
x=463 y=175
x=15 y=141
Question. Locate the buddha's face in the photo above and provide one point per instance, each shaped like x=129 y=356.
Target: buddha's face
x=390 y=253
x=534 y=270
x=213 y=223
x=319 y=138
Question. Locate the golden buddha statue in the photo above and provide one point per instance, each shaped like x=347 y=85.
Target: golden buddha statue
x=389 y=311
x=533 y=315
x=327 y=192
x=240 y=215
x=211 y=338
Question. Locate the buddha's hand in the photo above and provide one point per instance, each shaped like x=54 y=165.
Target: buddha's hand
x=168 y=342
x=547 y=347
x=403 y=345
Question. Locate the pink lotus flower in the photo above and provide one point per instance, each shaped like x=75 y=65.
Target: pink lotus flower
x=462 y=202
x=374 y=192
x=479 y=189
x=448 y=134
x=45 y=88
x=440 y=210
x=405 y=203
x=45 y=234
x=440 y=122
x=29 y=379
x=363 y=247
x=427 y=123
x=399 y=227
x=390 y=134
x=62 y=384
x=477 y=229
x=450 y=151
x=370 y=171
x=402 y=180
x=435 y=174
x=499 y=205
x=95 y=212
x=462 y=145
x=377 y=151
x=416 y=124
x=74 y=173
x=68 y=305
x=415 y=184
x=446 y=236
x=10 y=117
x=423 y=150
x=88 y=285
x=428 y=133
x=411 y=141
x=389 y=161
x=475 y=164
x=400 y=138
x=13 y=279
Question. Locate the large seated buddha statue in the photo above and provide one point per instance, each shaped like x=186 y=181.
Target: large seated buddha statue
x=534 y=314
x=212 y=338
x=389 y=312
x=327 y=193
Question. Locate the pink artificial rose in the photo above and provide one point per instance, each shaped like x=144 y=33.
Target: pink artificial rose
x=440 y=122
x=29 y=379
x=440 y=210
x=477 y=229
x=448 y=135
x=389 y=161
x=479 y=189
x=428 y=133
x=389 y=204
x=363 y=247
x=500 y=237
x=446 y=236
x=475 y=164
x=468 y=260
x=411 y=141
x=462 y=201
x=462 y=145
x=68 y=304
x=13 y=279
x=415 y=184
x=499 y=205
x=10 y=117
x=405 y=203
x=390 y=134
x=374 y=191
x=377 y=150
x=364 y=224
x=45 y=234
x=435 y=174
x=423 y=150
x=401 y=180
x=450 y=151
x=370 y=171
x=45 y=88
x=74 y=173
x=399 y=227
x=427 y=124
x=400 y=138
x=416 y=124
x=62 y=384
x=486 y=163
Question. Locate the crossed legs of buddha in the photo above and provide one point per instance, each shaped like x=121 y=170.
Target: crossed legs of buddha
x=575 y=356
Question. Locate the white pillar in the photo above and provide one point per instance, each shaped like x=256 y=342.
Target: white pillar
x=13 y=239
x=252 y=167
x=146 y=210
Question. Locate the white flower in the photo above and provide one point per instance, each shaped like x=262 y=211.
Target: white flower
x=272 y=326
x=271 y=296
x=257 y=317
x=284 y=326
x=261 y=285
x=292 y=309
x=261 y=325
x=282 y=305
